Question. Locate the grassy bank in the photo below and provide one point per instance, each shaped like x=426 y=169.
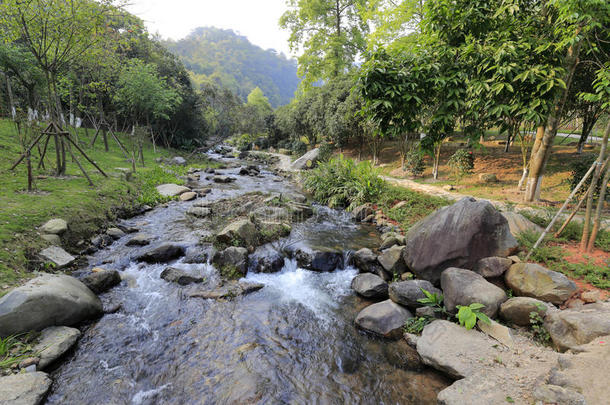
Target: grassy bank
x=85 y=208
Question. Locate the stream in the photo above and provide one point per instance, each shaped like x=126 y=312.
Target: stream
x=292 y=342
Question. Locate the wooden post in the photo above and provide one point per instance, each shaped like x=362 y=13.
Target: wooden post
x=29 y=163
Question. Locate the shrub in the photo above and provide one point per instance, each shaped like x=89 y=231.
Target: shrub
x=461 y=162
x=326 y=152
x=298 y=147
x=467 y=315
x=341 y=182
x=414 y=162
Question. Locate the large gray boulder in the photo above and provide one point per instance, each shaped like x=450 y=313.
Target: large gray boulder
x=56 y=255
x=101 y=281
x=24 y=389
x=55 y=226
x=179 y=276
x=47 y=300
x=517 y=310
x=465 y=287
x=518 y=224
x=385 y=318
x=408 y=292
x=53 y=343
x=307 y=161
x=319 y=260
x=232 y=261
x=533 y=280
x=162 y=253
x=366 y=261
x=242 y=231
x=171 y=190
x=578 y=326
x=454 y=350
x=370 y=286
x=392 y=260
x=457 y=236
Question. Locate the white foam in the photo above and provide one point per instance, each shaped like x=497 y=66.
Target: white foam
x=144 y=395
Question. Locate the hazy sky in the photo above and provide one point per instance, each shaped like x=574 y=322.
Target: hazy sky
x=256 y=19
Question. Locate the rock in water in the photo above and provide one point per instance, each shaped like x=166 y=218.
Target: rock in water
x=465 y=287
x=578 y=326
x=457 y=236
x=174 y=275
x=518 y=309
x=55 y=226
x=171 y=190
x=231 y=260
x=101 y=281
x=408 y=292
x=47 y=300
x=370 y=286
x=363 y=211
x=366 y=261
x=199 y=212
x=54 y=342
x=519 y=224
x=161 y=254
x=24 y=389
x=385 y=318
x=115 y=233
x=242 y=231
x=188 y=196
x=533 y=280
x=140 y=239
x=57 y=256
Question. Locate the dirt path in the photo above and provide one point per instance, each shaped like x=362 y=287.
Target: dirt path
x=285 y=162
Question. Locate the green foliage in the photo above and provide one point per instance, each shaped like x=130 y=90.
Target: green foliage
x=433 y=300
x=541 y=335
x=13 y=349
x=418 y=205
x=341 y=182
x=414 y=162
x=416 y=325
x=326 y=152
x=149 y=180
x=461 y=162
x=298 y=147
x=468 y=315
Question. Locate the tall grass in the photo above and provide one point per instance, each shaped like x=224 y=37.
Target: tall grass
x=342 y=183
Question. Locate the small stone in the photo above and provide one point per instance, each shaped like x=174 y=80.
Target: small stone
x=370 y=286
x=171 y=190
x=488 y=178
x=115 y=233
x=55 y=226
x=101 y=281
x=52 y=239
x=179 y=276
x=497 y=331
x=188 y=196
x=199 y=212
x=591 y=296
x=140 y=239
x=57 y=256
x=54 y=342
x=30 y=361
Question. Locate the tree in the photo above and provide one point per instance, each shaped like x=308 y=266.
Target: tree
x=331 y=34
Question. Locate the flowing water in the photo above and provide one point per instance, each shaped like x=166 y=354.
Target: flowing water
x=293 y=342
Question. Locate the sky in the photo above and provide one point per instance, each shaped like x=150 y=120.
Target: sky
x=256 y=19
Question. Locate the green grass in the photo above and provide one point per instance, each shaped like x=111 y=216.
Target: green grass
x=85 y=208
x=418 y=205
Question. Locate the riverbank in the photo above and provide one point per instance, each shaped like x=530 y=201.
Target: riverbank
x=87 y=208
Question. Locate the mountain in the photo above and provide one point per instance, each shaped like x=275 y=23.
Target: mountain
x=226 y=58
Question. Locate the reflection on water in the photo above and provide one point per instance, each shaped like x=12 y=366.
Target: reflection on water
x=291 y=342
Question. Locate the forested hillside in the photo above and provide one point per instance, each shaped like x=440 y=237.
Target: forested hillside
x=230 y=60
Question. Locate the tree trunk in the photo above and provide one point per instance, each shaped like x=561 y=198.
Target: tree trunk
x=598 y=212
x=542 y=148
x=587 y=126
x=590 y=193
x=437 y=158
x=521 y=185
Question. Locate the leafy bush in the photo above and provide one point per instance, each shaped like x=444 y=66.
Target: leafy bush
x=537 y=324
x=416 y=325
x=326 y=152
x=341 y=182
x=467 y=315
x=414 y=162
x=461 y=162
x=433 y=300
x=579 y=168
x=298 y=147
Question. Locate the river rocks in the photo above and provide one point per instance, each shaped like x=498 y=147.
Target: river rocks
x=162 y=254
x=488 y=178
x=464 y=287
x=249 y=171
x=454 y=350
x=197 y=255
x=361 y=212
x=55 y=226
x=53 y=343
x=457 y=236
x=101 y=281
x=179 y=276
x=269 y=263
x=223 y=179
x=242 y=231
x=519 y=224
x=553 y=394
x=171 y=190
x=232 y=262
x=490 y=267
x=230 y=290
x=324 y=261
x=188 y=196
x=178 y=161
x=47 y=300
x=56 y=255
x=408 y=292
x=140 y=239
x=392 y=260
x=517 y=310
x=198 y=212
x=370 y=286
x=385 y=318
x=24 y=389
x=366 y=261
x=52 y=239
x=307 y=161
x=533 y=280
x=299 y=211
x=115 y=233
x=574 y=327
